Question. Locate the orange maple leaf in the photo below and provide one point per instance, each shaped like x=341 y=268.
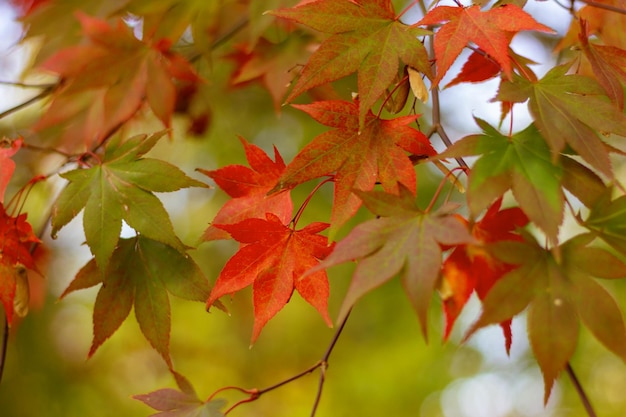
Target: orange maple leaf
x=106 y=81
x=491 y=30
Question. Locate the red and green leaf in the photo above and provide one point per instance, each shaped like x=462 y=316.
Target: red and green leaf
x=358 y=158
x=521 y=163
x=408 y=242
x=366 y=37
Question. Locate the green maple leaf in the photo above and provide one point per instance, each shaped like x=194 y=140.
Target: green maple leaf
x=607 y=220
x=141 y=272
x=121 y=188
x=366 y=37
x=569 y=110
x=521 y=163
x=560 y=292
x=406 y=242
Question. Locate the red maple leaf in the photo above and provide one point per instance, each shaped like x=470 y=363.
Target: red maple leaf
x=16 y=238
x=8 y=148
x=479 y=67
x=273 y=259
x=471 y=268
x=358 y=158
x=249 y=188
x=491 y=30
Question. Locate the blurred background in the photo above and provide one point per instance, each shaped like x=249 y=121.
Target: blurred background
x=381 y=364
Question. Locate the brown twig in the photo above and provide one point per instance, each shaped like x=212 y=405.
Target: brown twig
x=604 y=6
x=581 y=392
x=44 y=93
x=254 y=394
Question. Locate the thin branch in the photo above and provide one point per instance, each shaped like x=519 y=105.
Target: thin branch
x=436 y=115
x=5 y=343
x=28 y=102
x=24 y=85
x=254 y=394
x=608 y=7
x=324 y=364
x=581 y=392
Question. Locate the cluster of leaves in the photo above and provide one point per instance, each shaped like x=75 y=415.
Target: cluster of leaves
x=113 y=75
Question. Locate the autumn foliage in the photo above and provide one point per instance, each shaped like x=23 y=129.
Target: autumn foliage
x=363 y=71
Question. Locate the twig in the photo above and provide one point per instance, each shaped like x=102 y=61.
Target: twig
x=28 y=102
x=437 y=117
x=254 y=394
x=581 y=392
x=324 y=364
x=604 y=6
x=24 y=85
x=5 y=342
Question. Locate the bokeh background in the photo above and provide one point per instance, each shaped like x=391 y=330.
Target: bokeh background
x=381 y=366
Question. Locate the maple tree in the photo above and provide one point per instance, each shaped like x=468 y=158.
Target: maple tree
x=486 y=212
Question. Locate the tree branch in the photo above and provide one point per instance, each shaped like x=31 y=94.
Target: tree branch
x=604 y=6
x=254 y=394
x=46 y=92
x=581 y=392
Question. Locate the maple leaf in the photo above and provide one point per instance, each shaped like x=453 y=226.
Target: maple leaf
x=141 y=272
x=521 y=163
x=559 y=291
x=602 y=22
x=471 y=268
x=174 y=403
x=607 y=219
x=112 y=76
x=358 y=158
x=569 y=109
x=8 y=148
x=271 y=63
x=406 y=240
x=16 y=239
x=366 y=37
x=273 y=260
x=491 y=30
x=479 y=67
x=608 y=64
x=120 y=187
x=249 y=188
x=43 y=18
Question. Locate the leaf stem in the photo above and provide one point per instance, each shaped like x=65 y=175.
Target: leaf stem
x=306 y=201
x=581 y=392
